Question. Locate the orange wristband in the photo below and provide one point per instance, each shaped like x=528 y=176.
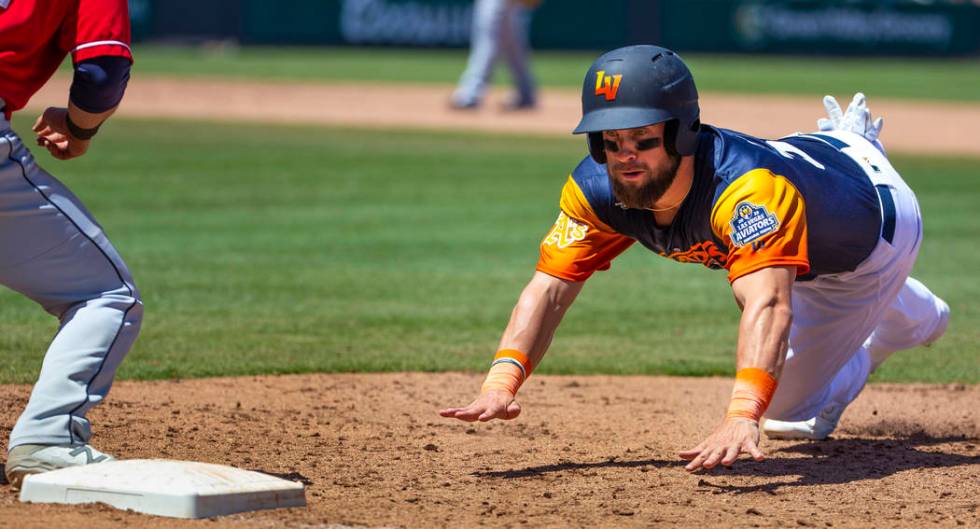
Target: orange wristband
x=753 y=391
x=509 y=369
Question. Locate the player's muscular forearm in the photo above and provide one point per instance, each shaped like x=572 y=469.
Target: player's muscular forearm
x=762 y=342
x=763 y=332
x=537 y=314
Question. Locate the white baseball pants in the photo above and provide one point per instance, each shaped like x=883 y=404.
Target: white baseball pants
x=500 y=27
x=845 y=324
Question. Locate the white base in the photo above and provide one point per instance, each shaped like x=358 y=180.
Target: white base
x=179 y=489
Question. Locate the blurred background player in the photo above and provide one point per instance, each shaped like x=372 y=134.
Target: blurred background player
x=51 y=248
x=500 y=27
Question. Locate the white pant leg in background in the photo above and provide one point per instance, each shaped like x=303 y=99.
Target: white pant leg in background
x=498 y=26
x=834 y=315
x=53 y=251
x=515 y=48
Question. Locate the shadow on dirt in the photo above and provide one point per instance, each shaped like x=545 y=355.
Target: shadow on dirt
x=834 y=461
x=568 y=465
x=288 y=476
x=837 y=461
x=3 y=475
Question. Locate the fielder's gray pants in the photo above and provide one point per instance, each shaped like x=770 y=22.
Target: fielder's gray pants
x=499 y=27
x=53 y=251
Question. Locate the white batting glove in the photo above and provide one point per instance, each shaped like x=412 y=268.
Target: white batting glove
x=857 y=119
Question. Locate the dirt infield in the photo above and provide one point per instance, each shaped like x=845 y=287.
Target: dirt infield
x=910 y=126
x=588 y=452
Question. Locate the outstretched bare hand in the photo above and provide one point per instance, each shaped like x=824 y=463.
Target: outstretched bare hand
x=488 y=406
x=733 y=437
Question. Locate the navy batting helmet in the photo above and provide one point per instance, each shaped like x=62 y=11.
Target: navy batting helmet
x=637 y=86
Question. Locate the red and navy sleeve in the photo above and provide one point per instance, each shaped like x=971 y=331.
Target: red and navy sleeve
x=97 y=28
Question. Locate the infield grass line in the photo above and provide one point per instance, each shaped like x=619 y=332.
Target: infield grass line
x=292 y=249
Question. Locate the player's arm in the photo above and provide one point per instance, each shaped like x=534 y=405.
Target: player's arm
x=532 y=325
x=762 y=217
x=578 y=245
x=763 y=331
x=97 y=34
x=535 y=318
x=763 y=339
x=97 y=88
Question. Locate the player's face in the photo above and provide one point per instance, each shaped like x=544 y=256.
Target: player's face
x=640 y=167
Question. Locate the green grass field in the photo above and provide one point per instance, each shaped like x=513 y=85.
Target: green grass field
x=264 y=249
x=948 y=79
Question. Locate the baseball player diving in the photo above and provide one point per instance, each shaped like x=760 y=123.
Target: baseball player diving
x=818 y=233
x=51 y=248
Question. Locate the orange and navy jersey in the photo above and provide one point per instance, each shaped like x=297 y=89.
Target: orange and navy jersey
x=754 y=203
x=36 y=35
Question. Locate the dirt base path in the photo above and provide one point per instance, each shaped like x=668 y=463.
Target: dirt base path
x=587 y=452
x=910 y=126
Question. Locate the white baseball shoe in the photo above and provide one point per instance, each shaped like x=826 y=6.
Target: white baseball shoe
x=816 y=429
x=35 y=459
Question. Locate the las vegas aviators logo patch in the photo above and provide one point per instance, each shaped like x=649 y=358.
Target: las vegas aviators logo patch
x=607 y=85
x=751 y=222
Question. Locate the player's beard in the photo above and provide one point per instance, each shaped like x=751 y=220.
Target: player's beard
x=644 y=195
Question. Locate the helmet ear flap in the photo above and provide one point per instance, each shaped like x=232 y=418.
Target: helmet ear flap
x=596 y=148
x=670 y=137
x=686 y=144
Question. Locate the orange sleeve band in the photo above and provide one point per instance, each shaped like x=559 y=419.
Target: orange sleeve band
x=753 y=391
x=510 y=368
x=516 y=355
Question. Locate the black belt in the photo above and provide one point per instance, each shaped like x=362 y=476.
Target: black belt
x=887 y=213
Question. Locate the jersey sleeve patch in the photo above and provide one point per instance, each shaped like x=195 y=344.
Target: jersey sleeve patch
x=751 y=222
x=762 y=217
x=566 y=232
x=579 y=244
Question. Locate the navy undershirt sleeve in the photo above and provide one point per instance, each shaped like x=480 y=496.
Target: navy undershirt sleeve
x=99 y=83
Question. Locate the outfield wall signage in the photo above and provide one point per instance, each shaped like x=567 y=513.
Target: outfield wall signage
x=759 y=25
x=836 y=27
x=414 y=23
